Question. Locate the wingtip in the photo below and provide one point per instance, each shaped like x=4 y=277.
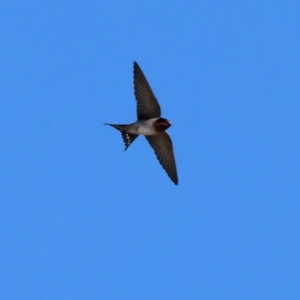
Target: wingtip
x=136 y=65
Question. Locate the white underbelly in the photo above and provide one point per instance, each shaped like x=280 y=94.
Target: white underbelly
x=146 y=130
x=146 y=127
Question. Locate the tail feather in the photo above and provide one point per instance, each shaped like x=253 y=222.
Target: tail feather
x=117 y=126
x=128 y=138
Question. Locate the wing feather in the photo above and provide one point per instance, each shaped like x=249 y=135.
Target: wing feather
x=163 y=148
x=147 y=105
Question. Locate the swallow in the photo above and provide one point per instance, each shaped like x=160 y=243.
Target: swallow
x=150 y=124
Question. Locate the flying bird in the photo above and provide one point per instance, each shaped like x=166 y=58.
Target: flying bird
x=150 y=124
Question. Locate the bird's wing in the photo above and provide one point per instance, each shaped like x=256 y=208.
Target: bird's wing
x=162 y=145
x=147 y=105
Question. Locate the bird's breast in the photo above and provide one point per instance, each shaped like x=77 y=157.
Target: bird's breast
x=146 y=127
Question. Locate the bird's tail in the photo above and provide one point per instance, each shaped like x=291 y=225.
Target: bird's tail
x=117 y=126
x=128 y=138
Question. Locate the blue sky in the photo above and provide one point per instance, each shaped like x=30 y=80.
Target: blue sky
x=82 y=219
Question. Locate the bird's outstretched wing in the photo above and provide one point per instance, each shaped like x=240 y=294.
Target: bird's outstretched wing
x=147 y=105
x=163 y=148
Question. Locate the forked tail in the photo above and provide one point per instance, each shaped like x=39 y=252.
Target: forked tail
x=128 y=138
x=117 y=126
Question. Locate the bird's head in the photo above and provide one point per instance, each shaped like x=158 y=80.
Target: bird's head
x=162 y=124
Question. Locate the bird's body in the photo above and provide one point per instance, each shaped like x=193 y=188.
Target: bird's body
x=149 y=124
x=144 y=127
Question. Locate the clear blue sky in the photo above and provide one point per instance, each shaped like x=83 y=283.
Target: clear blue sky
x=82 y=219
